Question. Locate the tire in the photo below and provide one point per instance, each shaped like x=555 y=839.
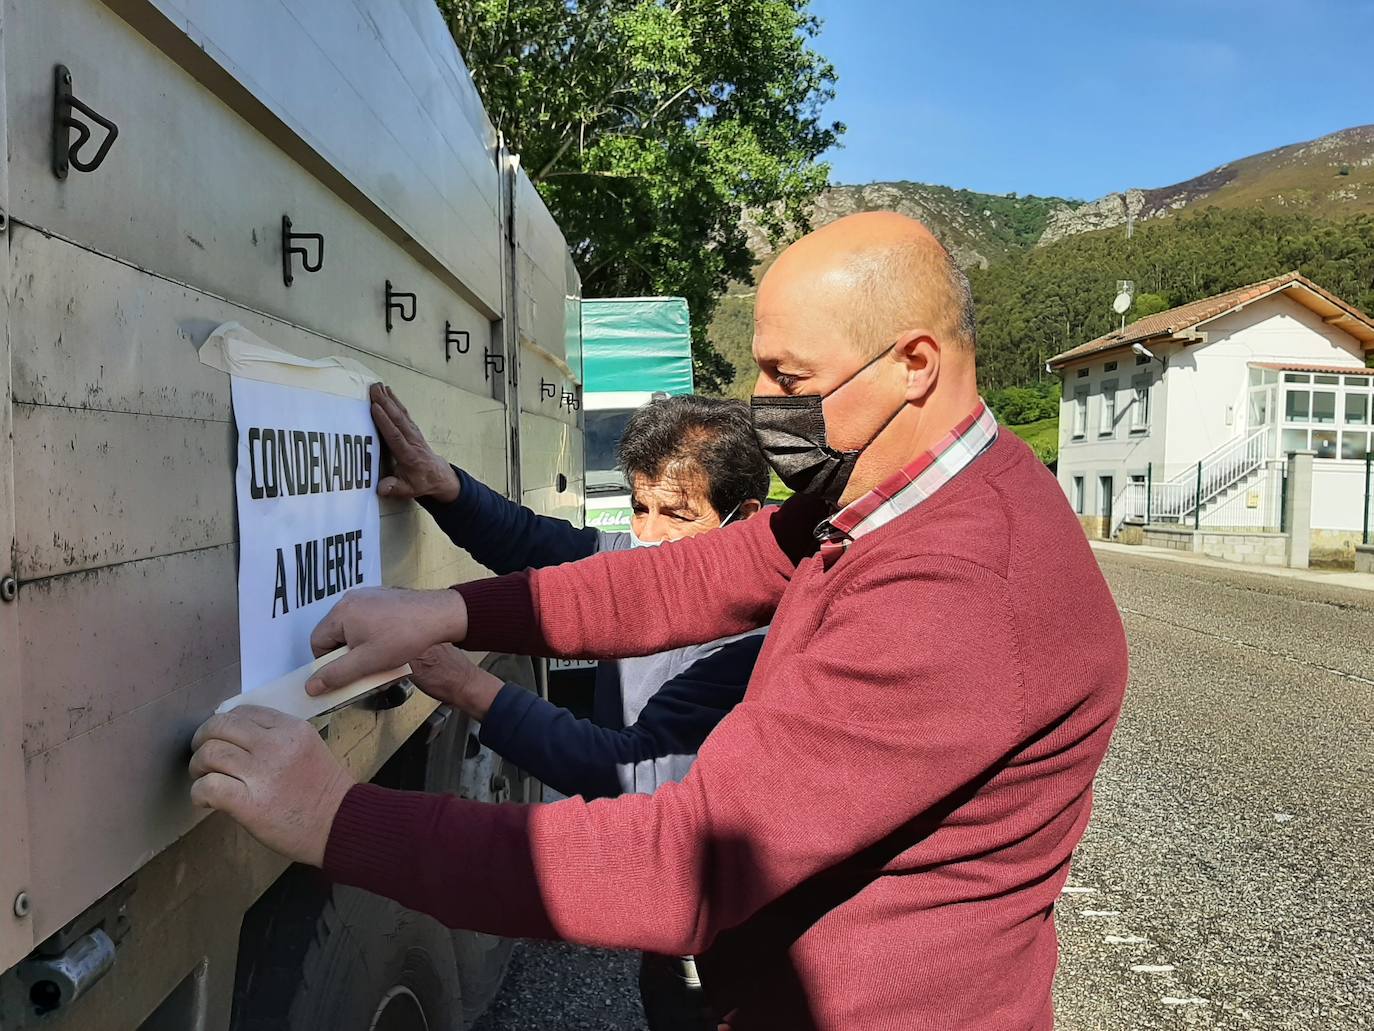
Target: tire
x=342 y=959
x=314 y=956
x=460 y=765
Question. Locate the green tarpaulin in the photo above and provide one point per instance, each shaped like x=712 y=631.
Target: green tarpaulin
x=637 y=344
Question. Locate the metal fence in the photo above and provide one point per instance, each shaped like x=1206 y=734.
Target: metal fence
x=1368 y=496
x=1256 y=505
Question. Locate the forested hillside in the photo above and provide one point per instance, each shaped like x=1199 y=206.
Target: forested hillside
x=1035 y=304
x=1045 y=269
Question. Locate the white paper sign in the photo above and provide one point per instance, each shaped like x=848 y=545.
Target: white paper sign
x=309 y=521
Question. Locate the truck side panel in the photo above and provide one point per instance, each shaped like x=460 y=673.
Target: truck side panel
x=16 y=924
x=126 y=551
x=186 y=167
x=116 y=483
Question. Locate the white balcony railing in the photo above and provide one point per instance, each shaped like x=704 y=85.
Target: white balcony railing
x=1182 y=496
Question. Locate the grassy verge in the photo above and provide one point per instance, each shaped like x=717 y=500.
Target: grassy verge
x=1042 y=436
x=777 y=490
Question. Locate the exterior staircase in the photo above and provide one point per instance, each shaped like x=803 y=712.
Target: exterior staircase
x=1202 y=489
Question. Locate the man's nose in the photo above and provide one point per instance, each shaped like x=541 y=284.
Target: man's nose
x=653 y=528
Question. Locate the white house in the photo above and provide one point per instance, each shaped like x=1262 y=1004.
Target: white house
x=1187 y=416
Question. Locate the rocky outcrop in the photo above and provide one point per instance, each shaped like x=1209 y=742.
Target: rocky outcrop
x=961 y=233
x=1107 y=212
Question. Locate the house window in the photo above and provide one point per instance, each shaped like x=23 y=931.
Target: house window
x=1294 y=440
x=1109 y=367
x=1107 y=425
x=1078 y=494
x=1297 y=406
x=1356 y=408
x=1354 y=445
x=1324 y=406
x=1142 y=359
x=1082 y=373
x=1140 y=404
x=1080 y=413
x=1324 y=443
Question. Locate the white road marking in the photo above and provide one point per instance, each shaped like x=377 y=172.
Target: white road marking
x=1283 y=817
x=1074 y=890
x=1192 y=1000
x=1236 y=641
x=1098 y=912
x=1125 y=939
x=1152 y=968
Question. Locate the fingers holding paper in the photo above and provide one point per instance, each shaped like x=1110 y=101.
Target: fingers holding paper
x=384 y=627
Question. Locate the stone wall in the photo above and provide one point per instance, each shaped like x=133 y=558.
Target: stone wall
x=1249 y=547
x=1335 y=545
x=1094 y=526
x=1364 y=558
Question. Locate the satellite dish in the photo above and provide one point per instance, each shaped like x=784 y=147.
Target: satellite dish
x=1122 y=304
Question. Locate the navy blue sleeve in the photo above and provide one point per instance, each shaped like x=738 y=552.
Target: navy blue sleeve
x=577 y=757
x=506 y=537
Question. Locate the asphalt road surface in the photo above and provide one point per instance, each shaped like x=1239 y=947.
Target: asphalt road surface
x=1225 y=880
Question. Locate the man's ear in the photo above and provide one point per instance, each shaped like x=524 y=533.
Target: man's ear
x=750 y=508
x=919 y=351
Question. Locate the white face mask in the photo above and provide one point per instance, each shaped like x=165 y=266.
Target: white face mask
x=635 y=542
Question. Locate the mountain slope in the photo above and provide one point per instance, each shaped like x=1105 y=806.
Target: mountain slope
x=978 y=228
x=1324 y=180
x=1329 y=177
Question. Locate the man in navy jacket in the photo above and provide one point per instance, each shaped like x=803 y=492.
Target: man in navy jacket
x=693 y=465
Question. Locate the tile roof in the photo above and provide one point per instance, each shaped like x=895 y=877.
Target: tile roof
x=1185 y=316
x=1335 y=370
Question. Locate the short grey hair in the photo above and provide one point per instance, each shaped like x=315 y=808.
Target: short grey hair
x=907 y=284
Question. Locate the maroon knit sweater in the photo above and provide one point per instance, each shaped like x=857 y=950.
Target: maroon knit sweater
x=876 y=836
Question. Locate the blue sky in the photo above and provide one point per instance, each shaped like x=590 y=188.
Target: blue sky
x=1081 y=97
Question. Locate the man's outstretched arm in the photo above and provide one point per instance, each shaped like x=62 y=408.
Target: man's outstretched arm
x=646 y=600
x=498 y=533
x=904 y=696
x=577 y=757
x=504 y=536
x=612 y=605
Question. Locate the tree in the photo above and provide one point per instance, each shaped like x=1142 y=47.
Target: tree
x=1148 y=304
x=650 y=126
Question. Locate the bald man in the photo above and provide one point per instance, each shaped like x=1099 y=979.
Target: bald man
x=876 y=837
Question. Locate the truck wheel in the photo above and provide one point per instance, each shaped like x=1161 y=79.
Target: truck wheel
x=482 y=961
x=341 y=958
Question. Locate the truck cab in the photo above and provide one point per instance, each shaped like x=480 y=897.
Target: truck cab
x=633 y=348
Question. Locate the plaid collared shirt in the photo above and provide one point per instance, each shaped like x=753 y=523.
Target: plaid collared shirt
x=909 y=485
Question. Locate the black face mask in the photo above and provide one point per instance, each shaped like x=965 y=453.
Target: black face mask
x=791 y=432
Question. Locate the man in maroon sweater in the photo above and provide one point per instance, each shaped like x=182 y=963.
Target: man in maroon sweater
x=876 y=837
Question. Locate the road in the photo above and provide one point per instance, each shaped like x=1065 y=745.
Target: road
x=1232 y=829
x=1225 y=880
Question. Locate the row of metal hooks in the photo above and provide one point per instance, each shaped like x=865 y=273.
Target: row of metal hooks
x=307 y=247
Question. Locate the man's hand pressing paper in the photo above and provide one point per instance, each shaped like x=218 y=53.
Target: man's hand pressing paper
x=273 y=774
x=416 y=470
x=384 y=627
